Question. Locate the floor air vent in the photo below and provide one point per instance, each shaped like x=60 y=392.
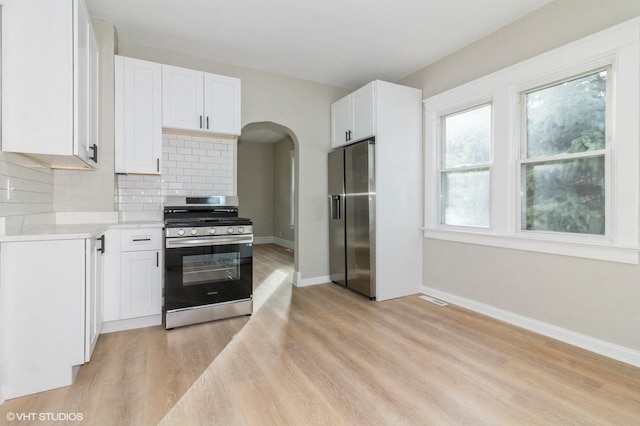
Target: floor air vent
x=432 y=300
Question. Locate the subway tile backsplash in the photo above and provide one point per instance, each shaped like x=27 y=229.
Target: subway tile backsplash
x=191 y=165
x=26 y=187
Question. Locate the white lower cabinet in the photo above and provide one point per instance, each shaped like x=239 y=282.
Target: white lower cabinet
x=49 y=306
x=133 y=288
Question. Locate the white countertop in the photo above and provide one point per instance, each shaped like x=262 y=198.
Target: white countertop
x=65 y=226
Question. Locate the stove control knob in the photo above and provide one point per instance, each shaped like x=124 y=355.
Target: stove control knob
x=194 y=231
x=230 y=230
x=212 y=230
x=181 y=232
x=241 y=230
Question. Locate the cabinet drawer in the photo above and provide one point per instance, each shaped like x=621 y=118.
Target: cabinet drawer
x=141 y=239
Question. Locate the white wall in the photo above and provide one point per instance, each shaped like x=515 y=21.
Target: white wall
x=301 y=106
x=255 y=186
x=598 y=300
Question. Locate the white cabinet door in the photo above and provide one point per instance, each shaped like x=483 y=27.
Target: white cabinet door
x=222 y=104
x=140 y=284
x=363 y=104
x=94 y=295
x=138 y=116
x=45 y=80
x=341 y=120
x=182 y=98
x=112 y=275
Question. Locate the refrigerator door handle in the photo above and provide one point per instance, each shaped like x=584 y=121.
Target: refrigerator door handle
x=336 y=204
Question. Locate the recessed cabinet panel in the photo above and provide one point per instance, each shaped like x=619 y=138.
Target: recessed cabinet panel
x=140 y=284
x=341 y=121
x=222 y=104
x=182 y=98
x=138 y=116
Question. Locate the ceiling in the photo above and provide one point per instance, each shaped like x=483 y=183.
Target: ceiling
x=344 y=43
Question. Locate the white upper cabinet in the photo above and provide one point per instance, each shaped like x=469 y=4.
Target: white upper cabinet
x=49 y=82
x=203 y=102
x=138 y=116
x=353 y=117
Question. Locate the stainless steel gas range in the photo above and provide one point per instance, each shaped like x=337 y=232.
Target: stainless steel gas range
x=208 y=260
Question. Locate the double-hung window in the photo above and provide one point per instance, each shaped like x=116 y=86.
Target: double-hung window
x=465 y=195
x=543 y=155
x=563 y=158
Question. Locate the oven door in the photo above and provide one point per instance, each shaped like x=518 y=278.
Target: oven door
x=209 y=270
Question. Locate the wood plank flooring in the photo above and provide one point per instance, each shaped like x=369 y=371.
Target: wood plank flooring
x=326 y=355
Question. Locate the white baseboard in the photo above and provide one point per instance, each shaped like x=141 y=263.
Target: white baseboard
x=274 y=240
x=299 y=282
x=601 y=347
x=130 y=324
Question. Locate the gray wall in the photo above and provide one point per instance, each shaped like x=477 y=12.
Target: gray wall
x=264 y=182
x=595 y=298
x=255 y=185
x=282 y=190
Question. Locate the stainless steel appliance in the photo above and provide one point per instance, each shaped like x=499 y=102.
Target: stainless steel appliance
x=208 y=260
x=352 y=217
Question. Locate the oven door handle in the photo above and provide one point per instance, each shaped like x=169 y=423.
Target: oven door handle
x=207 y=241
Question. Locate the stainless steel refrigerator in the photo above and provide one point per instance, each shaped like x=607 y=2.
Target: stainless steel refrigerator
x=352 y=213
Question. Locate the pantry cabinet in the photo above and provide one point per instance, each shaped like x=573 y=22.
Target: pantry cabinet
x=138 y=116
x=353 y=117
x=199 y=101
x=50 y=82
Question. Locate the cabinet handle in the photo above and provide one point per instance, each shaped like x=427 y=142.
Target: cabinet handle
x=349 y=135
x=141 y=239
x=158 y=165
x=346 y=136
x=207 y=122
x=201 y=122
x=102 y=245
x=157 y=260
x=94 y=155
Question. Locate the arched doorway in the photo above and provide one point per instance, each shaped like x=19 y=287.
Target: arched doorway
x=267 y=177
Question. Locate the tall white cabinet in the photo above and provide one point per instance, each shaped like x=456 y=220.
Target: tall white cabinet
x=392 y=114
x=50 y=82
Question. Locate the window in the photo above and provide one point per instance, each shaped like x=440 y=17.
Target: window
x=464 y=176
x=563 y=167
x=543 y=155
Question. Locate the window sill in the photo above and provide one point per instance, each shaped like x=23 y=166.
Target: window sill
x=604 y=250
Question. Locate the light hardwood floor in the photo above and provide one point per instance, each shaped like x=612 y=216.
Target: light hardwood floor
x=325 y=355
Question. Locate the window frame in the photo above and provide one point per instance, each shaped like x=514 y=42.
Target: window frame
x=442 y=169
x=617 y=47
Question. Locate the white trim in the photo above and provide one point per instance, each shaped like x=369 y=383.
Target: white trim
x=274 y=240
x=601 y=347
x=299 y=282
x=131 y=323
x=263 y=240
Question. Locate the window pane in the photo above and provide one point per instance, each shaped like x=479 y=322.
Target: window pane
x=568 y=117
x=467 y=138
x=566 y=196
x=465 y=198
